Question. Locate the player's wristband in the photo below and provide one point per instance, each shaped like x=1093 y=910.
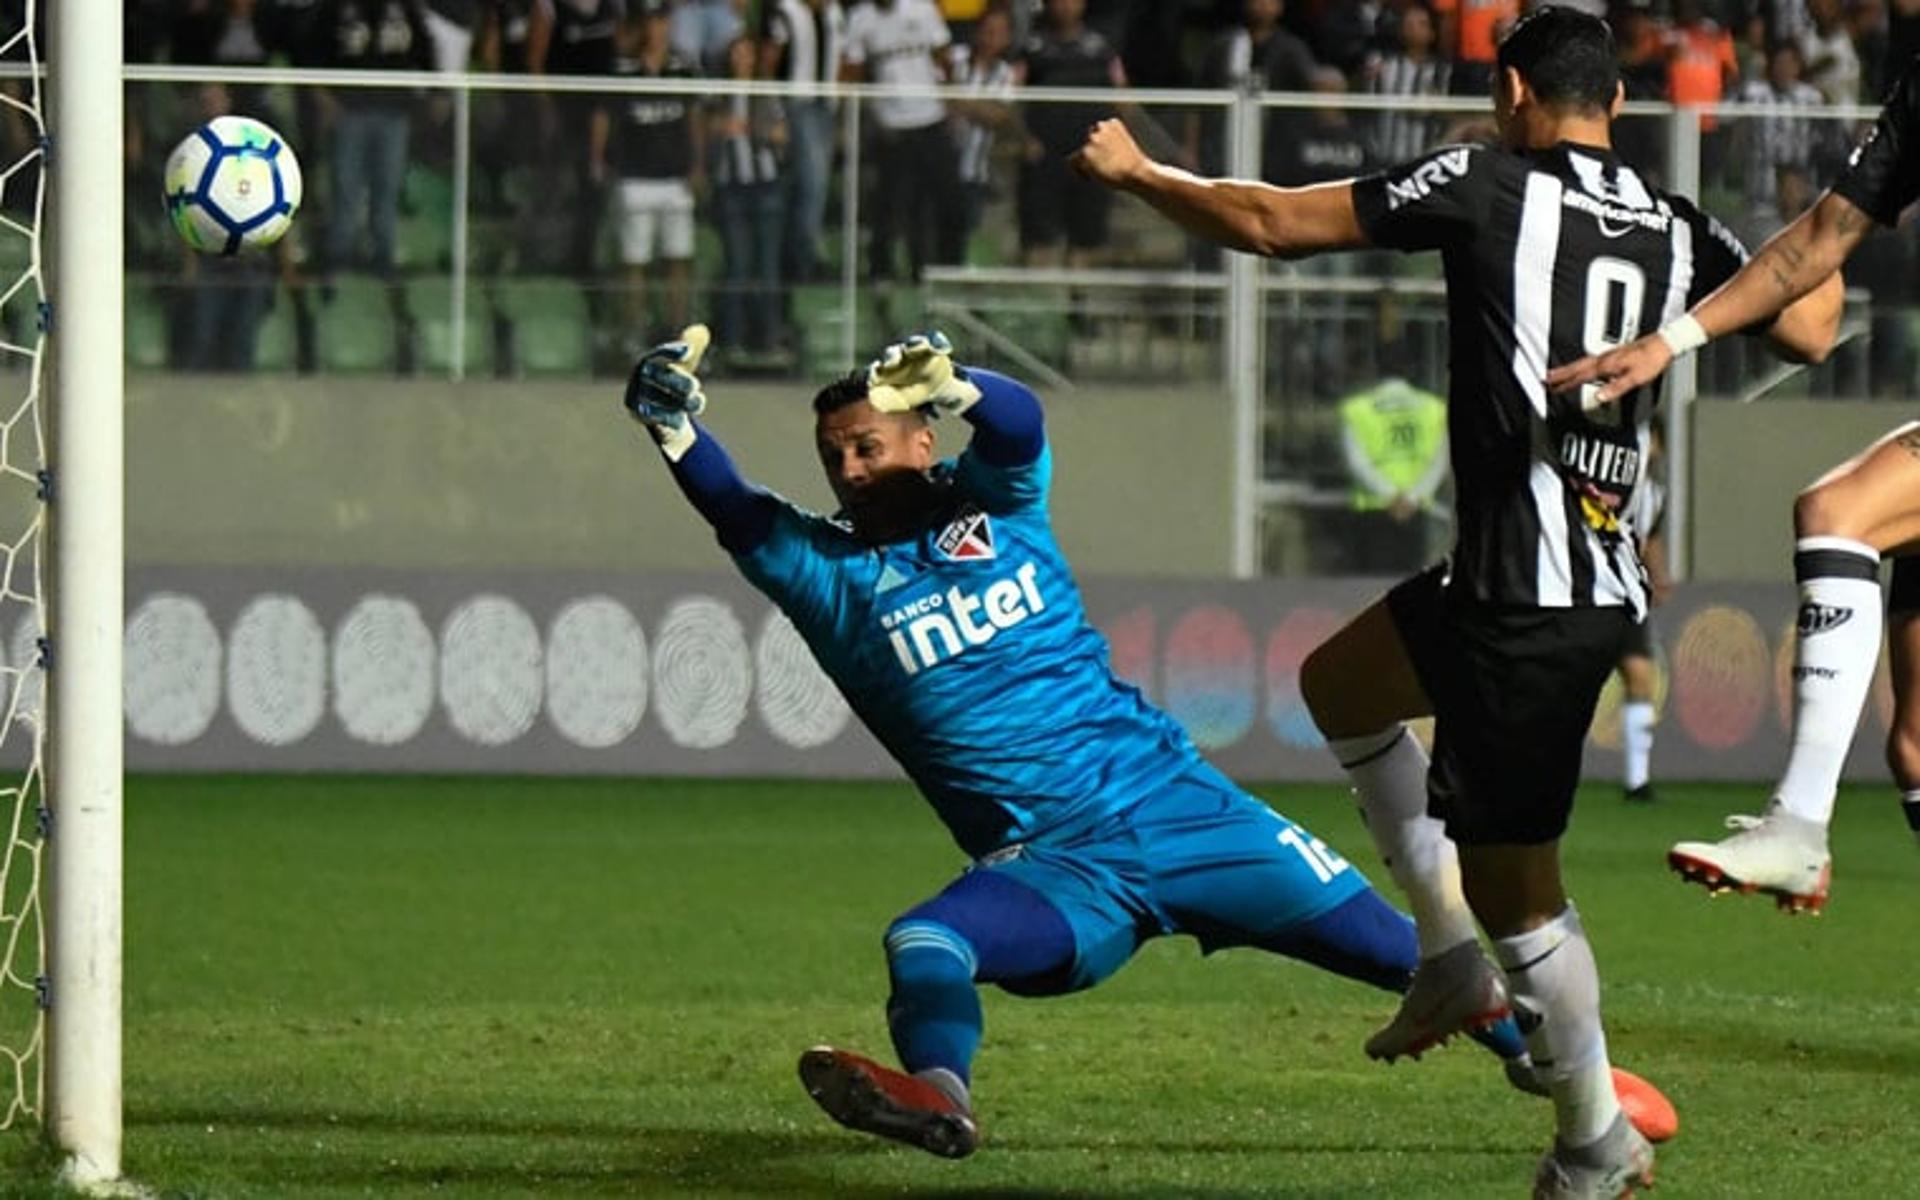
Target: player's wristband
x=1683 y=335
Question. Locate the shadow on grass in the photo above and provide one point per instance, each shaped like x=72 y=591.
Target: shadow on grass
x=592 y=1156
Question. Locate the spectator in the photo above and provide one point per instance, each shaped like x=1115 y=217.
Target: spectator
x=704 y=30
x=1328 y=145
x=1394 y=439
x=749 y=135
x=1779 y=150
x=1470 y=30
x=1826 y=48
x=230 y=297
x=368 y=151
x=1701 y=66
x=1411 y=71
x=584 y=42
x=649 y=147
x=985 y=78
x=1347 y=33
x=1643 y=42
x=1871 y=37
x=1060 y=209
x=452 y=24
x=904 y=43
x=1255 y=52
x=962 y=15
x=515 y=35
x=803 y=44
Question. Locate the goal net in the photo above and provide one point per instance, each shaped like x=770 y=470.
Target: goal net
x=23 y=334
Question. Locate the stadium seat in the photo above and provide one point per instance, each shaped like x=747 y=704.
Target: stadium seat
x=430 y=304
x=355 y=329
x=146 y=327
x=551 y=323
x=278 y=346
x=424 y=241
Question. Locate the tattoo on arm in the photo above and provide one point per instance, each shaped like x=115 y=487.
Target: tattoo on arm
x=1910 y=442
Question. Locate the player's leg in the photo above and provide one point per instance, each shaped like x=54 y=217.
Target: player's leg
x=1639 y=679
x=1507 y=765
x=1362 y=687
x=1903 y=651
x=992 y=925
x=1843 y=523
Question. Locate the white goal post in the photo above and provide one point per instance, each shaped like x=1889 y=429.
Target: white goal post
x=84 y=617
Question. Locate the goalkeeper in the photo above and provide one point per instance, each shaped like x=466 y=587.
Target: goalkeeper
x=940 y=604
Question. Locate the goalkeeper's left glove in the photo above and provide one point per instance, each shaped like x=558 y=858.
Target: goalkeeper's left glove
x=919 y=374
x=664 y=394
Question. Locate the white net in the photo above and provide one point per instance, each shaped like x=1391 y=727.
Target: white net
x=24 y=320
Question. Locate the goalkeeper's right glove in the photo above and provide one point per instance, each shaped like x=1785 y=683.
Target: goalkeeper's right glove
x=664 y=394
x=919 y=374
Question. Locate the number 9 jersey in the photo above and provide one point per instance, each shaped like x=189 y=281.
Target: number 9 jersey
x=1549 y=255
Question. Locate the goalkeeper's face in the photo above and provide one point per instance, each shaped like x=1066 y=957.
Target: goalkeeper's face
x=877 y=464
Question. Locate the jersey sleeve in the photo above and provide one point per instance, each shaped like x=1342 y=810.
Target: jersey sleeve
x=1883 y=176
x=1718 y=252
x=1002 y=490
x=793 y=567
x=1433 y=202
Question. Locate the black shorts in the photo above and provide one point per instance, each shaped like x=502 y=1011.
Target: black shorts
x=1056 y=201
x=1904 y=594
x=1513 y=692
x=1637 y=641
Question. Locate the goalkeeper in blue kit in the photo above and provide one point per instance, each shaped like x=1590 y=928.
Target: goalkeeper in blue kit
x=940 y=604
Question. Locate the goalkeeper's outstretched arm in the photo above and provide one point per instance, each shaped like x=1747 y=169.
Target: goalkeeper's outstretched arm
x=1009 y=429
x=741 y=513
x=664 y=395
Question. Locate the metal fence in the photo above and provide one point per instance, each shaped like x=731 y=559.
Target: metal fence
x=489 y=242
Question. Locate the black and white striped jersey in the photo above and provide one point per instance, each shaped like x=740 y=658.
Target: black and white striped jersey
x=1550 y=255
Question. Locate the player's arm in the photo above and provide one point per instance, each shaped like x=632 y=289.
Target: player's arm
x=1255 y=217
x=1794 y=282
x=1009 y=428
x=665 y=396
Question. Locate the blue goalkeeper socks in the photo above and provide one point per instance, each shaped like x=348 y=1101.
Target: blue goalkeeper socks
x=934 y=1011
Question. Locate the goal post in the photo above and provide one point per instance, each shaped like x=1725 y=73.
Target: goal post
x=85 y=610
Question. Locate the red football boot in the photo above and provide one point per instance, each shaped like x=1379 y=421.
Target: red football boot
x=861 y=1094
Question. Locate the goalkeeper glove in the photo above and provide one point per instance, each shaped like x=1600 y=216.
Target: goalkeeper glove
x=919 y=374
x=664 y=394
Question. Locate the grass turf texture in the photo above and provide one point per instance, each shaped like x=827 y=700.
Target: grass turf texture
x=491 y=987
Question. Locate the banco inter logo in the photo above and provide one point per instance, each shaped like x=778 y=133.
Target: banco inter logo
x=1819 y=618
x=942 y=625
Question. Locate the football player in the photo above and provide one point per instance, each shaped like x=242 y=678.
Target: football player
x=1551 y=243
x=940 y=604
x=1865 y=508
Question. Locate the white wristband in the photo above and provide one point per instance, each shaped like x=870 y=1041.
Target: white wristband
x=1683 y=335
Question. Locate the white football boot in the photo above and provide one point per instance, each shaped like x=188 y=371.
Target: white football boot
x=1780 y=854
x=1619 y=1164
x=1454 y=991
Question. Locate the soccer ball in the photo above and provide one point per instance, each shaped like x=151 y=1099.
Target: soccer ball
x=232 y=185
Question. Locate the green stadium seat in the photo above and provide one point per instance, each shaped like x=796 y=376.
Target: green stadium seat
x=146 y=327
x=552 y=326
x=430 y=304
x=424 y=241
x=278 y=346
x=355 y=330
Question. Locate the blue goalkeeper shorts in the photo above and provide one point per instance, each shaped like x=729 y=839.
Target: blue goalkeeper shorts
x=1200 y=857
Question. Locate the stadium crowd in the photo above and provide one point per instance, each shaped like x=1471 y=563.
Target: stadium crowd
x=655 y=198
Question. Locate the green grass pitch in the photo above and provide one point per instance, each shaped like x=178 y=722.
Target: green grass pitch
x=488 y=987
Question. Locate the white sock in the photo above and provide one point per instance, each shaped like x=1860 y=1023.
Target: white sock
x=1834 y=658
x=1556 y=990
x=1910 y=805
x=1636 y=740
x=1389 y=773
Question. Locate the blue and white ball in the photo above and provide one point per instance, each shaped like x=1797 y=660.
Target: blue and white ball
x=231 y=185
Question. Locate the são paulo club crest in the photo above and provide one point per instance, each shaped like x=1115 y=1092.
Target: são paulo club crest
x=967 y=538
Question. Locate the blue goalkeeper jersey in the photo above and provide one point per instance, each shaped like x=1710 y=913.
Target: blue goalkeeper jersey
x=968 y=654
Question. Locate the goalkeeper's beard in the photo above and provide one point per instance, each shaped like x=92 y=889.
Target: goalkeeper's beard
x=894 y=506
